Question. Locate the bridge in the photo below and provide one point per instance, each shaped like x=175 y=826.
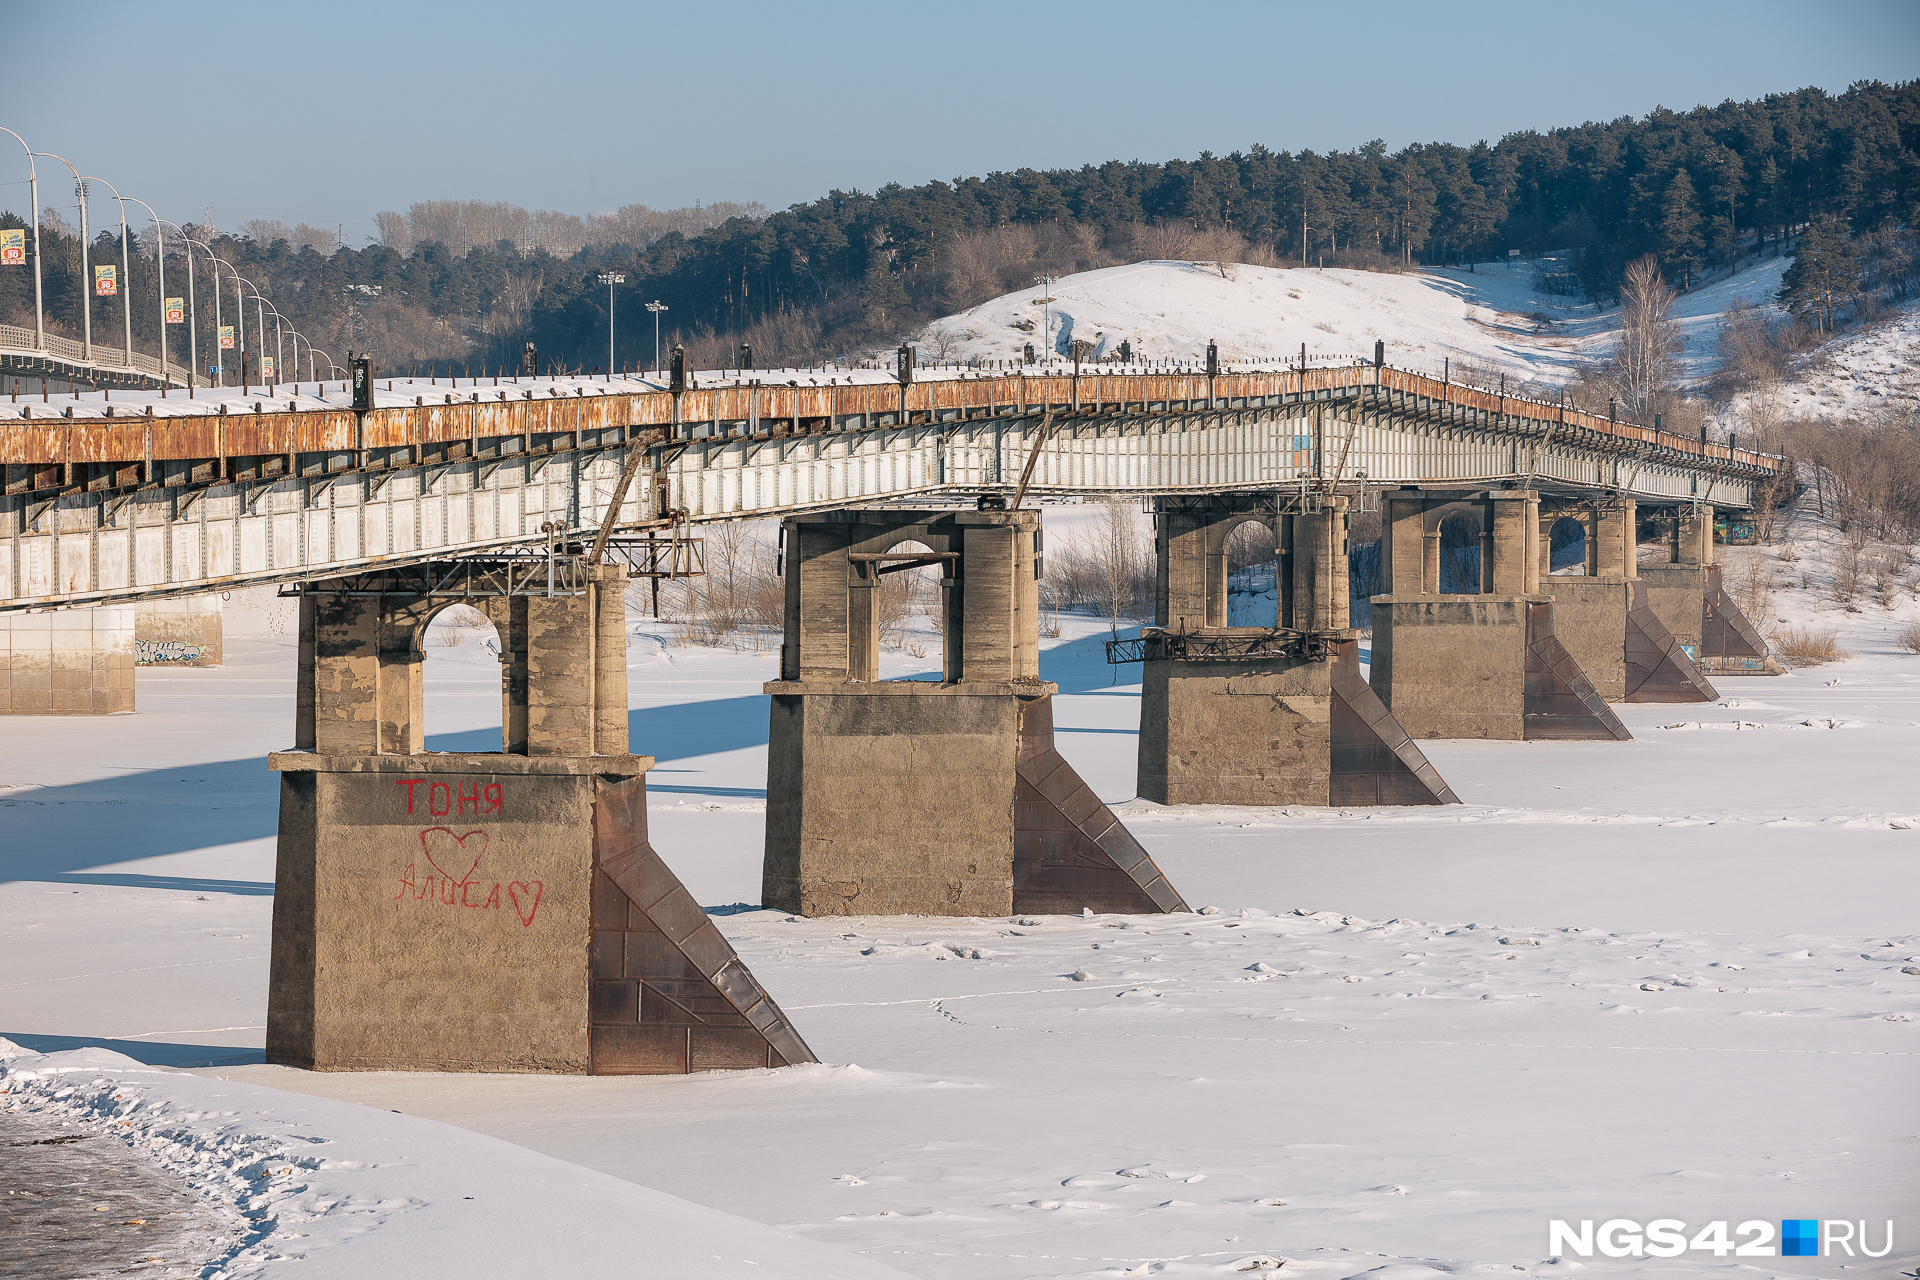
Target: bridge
x=110 y=501
x=491 y=494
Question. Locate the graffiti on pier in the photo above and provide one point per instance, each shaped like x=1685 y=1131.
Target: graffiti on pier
x=167 y=653
x=442 y=849
x=435 y=875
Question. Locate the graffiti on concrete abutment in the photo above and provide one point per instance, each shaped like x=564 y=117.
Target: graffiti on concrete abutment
x=165 y=653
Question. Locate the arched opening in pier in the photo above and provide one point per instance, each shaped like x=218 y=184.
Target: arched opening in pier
x=460 y=675
x=1253 y=596
x=1460 y=548
x=1567 y=546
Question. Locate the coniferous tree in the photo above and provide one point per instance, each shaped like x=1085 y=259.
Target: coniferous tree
x=1680 y=241
x=1824 y=272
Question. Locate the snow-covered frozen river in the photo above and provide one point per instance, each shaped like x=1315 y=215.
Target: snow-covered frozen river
x=1666 y=978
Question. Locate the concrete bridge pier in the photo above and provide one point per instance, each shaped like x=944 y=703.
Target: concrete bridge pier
x=180 y=631
x=1475 y=664
x=1264 y=715
x=488 y=911
x=1604 y=617
x=930 y=796
x=67 y=662
x=1690 y=599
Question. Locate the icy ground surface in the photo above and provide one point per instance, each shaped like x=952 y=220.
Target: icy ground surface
x=275 y=1180
x=1665 y=978
x=77 y=1203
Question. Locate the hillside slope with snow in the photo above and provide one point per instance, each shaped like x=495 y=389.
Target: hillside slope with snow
x=1497 y=319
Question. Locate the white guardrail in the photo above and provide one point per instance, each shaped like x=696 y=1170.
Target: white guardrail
x=105 y=356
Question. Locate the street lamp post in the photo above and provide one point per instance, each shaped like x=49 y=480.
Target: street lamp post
x=240 y=324
x=160 y=258
x=33 y=198
x=260 y=329
x=122 y=287
x=86 y=262
x=219 y=352
x=240 y=319
x=193 y=311
x=610 y=279
x=656 y=306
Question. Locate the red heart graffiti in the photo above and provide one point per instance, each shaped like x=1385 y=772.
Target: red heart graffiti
x=460 y=842
x=527 y=910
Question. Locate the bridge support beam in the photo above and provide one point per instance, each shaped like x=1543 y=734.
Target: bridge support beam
x=1246 y=715
x=67 y=662
x=183 y=631
x=488 y=911
x=928 y=797
x=1475 y=665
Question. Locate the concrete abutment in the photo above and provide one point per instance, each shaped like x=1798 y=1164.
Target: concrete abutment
x=180 y=631
x=68 y=662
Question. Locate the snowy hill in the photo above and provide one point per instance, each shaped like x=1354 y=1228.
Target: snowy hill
x=1496 y=319
x=1858 y=374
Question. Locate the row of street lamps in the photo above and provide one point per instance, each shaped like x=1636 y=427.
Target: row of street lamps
x=262 y=306
x=610 y=279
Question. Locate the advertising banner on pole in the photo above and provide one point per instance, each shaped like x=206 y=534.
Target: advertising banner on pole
x=176 y=310
x=226 y=337
x=13 y=248
x=266 y=368
x=106 y=282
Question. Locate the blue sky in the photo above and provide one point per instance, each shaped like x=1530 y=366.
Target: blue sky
x=327 y=113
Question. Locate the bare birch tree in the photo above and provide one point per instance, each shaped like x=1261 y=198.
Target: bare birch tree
x=1119 y=561
x=1644 y=367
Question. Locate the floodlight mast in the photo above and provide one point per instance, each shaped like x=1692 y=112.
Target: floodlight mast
x=610 y=279
x=656 y=306
x=1046 y=313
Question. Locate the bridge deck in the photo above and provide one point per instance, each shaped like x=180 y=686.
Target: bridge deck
x=103 y=505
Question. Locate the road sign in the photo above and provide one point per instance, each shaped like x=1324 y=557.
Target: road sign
x=176 y=310
x=106 y=282
x=13 y=248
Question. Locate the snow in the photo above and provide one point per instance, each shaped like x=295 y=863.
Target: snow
x=1664 y=978
x=1495 y=319
x=1858 y=375
x=335 y=1189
